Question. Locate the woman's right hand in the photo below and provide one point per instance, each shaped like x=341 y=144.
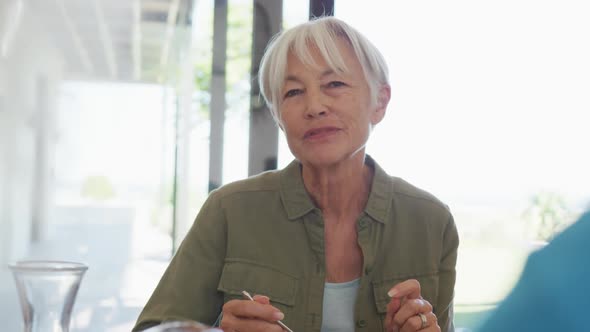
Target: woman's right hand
x=246 y=315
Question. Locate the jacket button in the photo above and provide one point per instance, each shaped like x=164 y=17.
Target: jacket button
x=361 y=323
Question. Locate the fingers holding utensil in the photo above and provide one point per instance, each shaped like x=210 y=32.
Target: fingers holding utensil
x=254 y=314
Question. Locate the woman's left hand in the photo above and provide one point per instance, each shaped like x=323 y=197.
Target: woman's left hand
x=407 y=311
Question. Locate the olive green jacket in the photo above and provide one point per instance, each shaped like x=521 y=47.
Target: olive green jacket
x=265 y=235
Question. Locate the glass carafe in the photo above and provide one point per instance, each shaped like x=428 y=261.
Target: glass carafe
x=47 y=292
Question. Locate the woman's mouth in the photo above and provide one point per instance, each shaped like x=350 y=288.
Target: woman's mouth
x=321 y=132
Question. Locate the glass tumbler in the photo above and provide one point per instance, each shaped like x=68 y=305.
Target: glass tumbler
x=47 y=292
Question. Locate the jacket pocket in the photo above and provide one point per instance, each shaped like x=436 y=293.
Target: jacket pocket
x=255 y=278
x=428 y=286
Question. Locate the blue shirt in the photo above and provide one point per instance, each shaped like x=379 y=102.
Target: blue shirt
x=553 y=293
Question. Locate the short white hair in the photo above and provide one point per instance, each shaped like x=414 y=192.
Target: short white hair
x=321 y=33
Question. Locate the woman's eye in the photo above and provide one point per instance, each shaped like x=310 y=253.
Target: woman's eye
x=335 y=84
x=292 y=93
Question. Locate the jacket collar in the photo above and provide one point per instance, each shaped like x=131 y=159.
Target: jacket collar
x=298 y=203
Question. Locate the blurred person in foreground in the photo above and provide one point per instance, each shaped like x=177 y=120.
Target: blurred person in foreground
x=553 y=292
x=331 y=242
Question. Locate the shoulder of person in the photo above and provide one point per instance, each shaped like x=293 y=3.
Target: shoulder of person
x=265 y=181
x=569 y=247
x=406 y=191
x=577 y=233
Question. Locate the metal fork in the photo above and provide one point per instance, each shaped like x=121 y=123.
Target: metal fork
x=285 y=327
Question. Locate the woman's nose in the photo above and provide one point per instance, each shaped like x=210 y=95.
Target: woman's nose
x=316 y=105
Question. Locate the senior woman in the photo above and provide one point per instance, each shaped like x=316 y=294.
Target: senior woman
x=331 y=242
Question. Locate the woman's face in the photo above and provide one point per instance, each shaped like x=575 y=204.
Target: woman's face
x=327 y=117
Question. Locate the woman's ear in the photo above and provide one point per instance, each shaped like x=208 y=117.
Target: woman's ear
x=383 y=97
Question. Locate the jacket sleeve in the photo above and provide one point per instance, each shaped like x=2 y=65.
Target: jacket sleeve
x=188 y=288
x=447 y=276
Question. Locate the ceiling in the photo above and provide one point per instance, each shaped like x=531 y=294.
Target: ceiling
x=117 y=40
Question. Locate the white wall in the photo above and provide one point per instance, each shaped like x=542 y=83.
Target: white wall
x=31 y=57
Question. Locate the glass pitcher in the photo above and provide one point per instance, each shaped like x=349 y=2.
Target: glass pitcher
x=47 y=292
